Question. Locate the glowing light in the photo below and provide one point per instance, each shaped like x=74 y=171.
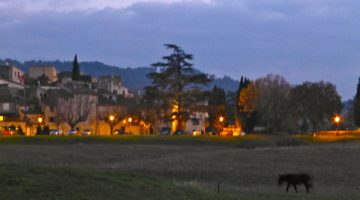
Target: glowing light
x=221 y=119
x=111 y=118
x=1 y=118
x=130 y=119
x=40 y=120
x=337 y=119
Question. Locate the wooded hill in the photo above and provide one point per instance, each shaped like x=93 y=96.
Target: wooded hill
x=133 y=78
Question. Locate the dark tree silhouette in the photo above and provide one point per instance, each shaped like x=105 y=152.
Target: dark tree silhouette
x=176 y=81
x=75 y=69
x=46 y=130
x=39 y=130
x=217 y=108
x=152 y=105
x=314 y=104
x=357 y=105
x=20 y=130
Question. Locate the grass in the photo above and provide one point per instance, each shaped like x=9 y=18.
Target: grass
x=19 y=182
x=176 y=167
x=249 y=141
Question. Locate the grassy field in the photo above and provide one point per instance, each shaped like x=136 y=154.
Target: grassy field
x=176 y=167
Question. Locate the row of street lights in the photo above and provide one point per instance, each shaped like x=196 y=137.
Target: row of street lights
x=113 y=121
x=336 y=120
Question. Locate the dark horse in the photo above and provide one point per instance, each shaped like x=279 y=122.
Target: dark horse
x=296 y=179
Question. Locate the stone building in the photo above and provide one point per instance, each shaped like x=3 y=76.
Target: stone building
x=37 y=71
x=12 y=74
x=114 y=85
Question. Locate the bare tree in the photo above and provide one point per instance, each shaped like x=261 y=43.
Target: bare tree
x=74 y=109
x=112 y=115
x=272 y=102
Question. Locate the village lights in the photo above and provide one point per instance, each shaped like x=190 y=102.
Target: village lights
x=112 y=122
x=39 y=120
x=337 y=120
x=111 y=118
x=221 y=119
x=130 y=120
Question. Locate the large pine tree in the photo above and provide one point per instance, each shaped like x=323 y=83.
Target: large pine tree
x=357 y=105
x=75 y=69
x=176 y=82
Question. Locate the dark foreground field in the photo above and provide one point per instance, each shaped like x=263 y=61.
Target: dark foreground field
x=175 y=167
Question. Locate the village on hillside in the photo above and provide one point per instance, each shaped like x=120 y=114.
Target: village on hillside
x=45 y=101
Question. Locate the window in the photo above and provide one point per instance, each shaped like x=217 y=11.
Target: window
x=195 y=121
x=6 y=106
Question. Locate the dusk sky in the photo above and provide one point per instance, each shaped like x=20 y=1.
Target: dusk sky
x=303 y=40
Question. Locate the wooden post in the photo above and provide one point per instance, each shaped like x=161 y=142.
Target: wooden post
x=218 y=186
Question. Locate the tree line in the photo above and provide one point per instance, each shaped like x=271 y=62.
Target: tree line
x=269 y=103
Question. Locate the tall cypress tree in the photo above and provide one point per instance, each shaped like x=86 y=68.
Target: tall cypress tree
x=75 y=69
x=357 y=105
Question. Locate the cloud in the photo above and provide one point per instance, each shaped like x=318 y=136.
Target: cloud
x=303 y=40
x=71 y=5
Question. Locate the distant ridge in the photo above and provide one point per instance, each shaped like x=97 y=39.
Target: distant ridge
x=133 y=78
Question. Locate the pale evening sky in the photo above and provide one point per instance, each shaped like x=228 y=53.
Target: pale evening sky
x=303 y=40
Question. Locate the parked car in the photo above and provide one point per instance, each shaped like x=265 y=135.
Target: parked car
x=55 y=132
x=197 y=133
x=72 y=132
x=8 y=131
x=180 y=132
x=119 y=132
x=211 y=131
x=86 y=132
x=165 y=131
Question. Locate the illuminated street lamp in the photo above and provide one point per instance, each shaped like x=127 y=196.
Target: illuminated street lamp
x=39 y=120
x=111 y=123
x=130 y=120
x=337 y=120
x=221 y=119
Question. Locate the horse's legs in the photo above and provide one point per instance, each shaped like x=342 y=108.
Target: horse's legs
x=307 y=187
x=287 y=187
x=295 y=188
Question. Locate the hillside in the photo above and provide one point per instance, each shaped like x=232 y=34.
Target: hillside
x=134 y=78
